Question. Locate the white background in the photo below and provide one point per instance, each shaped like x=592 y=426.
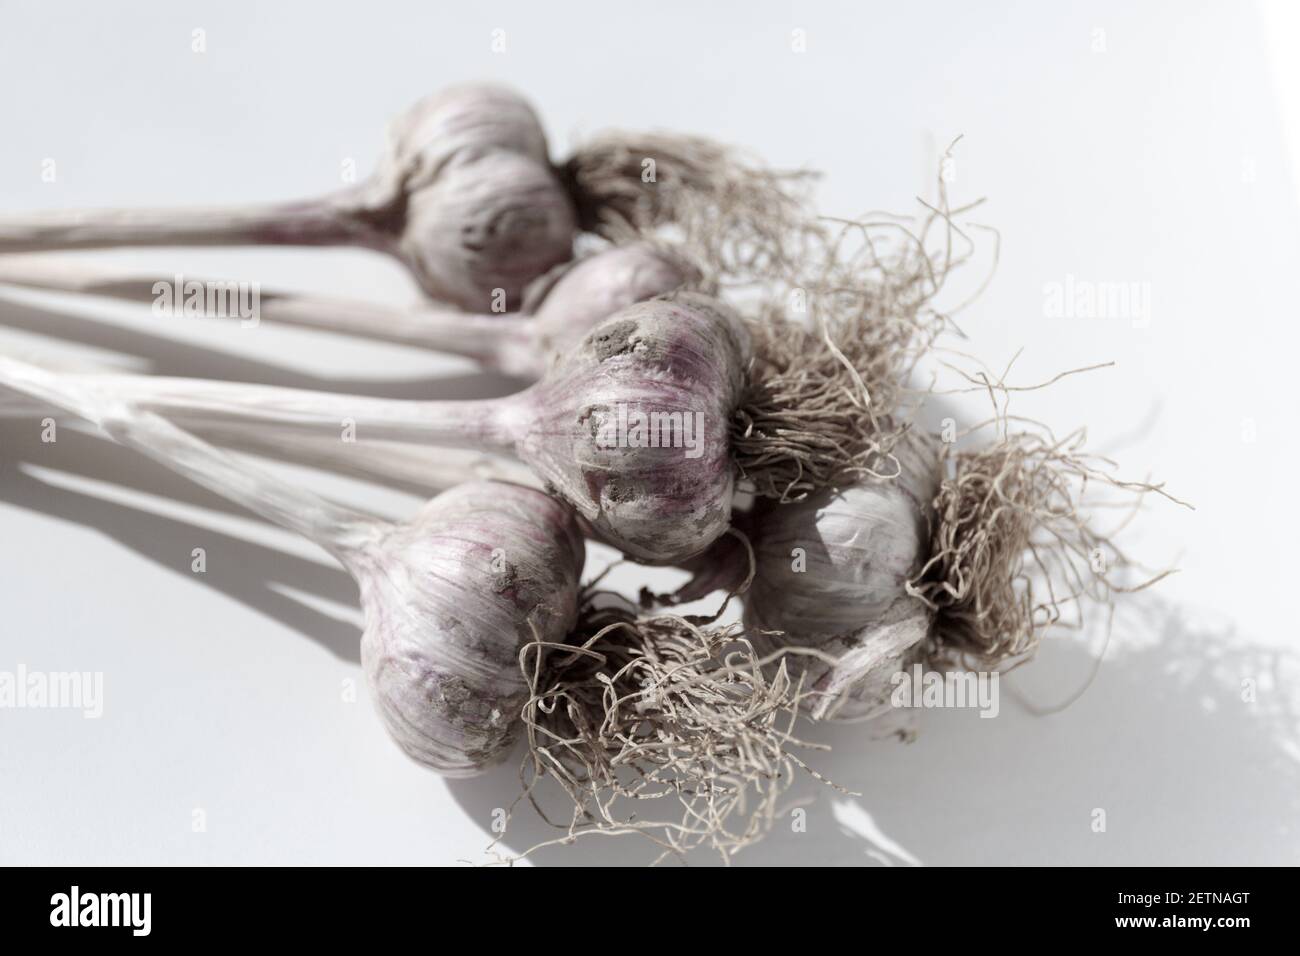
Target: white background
x=1153 y=151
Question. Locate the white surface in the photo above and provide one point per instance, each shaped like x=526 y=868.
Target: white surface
x=1160 y=160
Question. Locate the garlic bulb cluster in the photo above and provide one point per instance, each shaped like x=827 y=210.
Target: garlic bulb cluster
x=866 y=550
x=831 y=573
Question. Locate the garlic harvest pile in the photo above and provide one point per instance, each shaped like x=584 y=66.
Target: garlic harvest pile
x=781 y=365
x=559 y=308
x=449 y=597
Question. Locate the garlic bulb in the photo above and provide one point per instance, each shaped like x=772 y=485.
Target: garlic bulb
x=474 y=208
x=632 y=427
x=466 y=198
x=834 y=561
x=485 y=229
x=831 y=574
x=450 y=598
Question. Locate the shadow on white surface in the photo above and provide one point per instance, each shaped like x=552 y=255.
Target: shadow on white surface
x=247 y=572
x=1185 y=770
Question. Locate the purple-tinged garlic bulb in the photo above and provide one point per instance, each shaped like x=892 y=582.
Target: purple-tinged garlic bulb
x=449 y=600
x=855 y=680
x=481 y=213
x=633 y=427
x=485 y=229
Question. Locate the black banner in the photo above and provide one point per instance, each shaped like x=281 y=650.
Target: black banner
x=335 y=905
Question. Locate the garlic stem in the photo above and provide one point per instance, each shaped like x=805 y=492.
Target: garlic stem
x=477 y=424
x=313 y=222
x=342 y=531
x=563 y=305
x=388 y=463
x=396 y=464
x=490 y=339
x=482 y=338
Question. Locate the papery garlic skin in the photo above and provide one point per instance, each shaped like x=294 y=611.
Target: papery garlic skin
x=448 y=601
x=458 y=124
x=593 y=288
x=683 y=354
x=860 y=684
x=836 y=560
x=483 y=230
x=481 y=210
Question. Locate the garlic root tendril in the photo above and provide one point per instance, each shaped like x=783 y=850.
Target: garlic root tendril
x=661 y=709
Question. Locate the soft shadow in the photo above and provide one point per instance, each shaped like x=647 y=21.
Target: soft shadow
x=168 y=356
x=246 y=572
x=1186 y=771
x=88 y=454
